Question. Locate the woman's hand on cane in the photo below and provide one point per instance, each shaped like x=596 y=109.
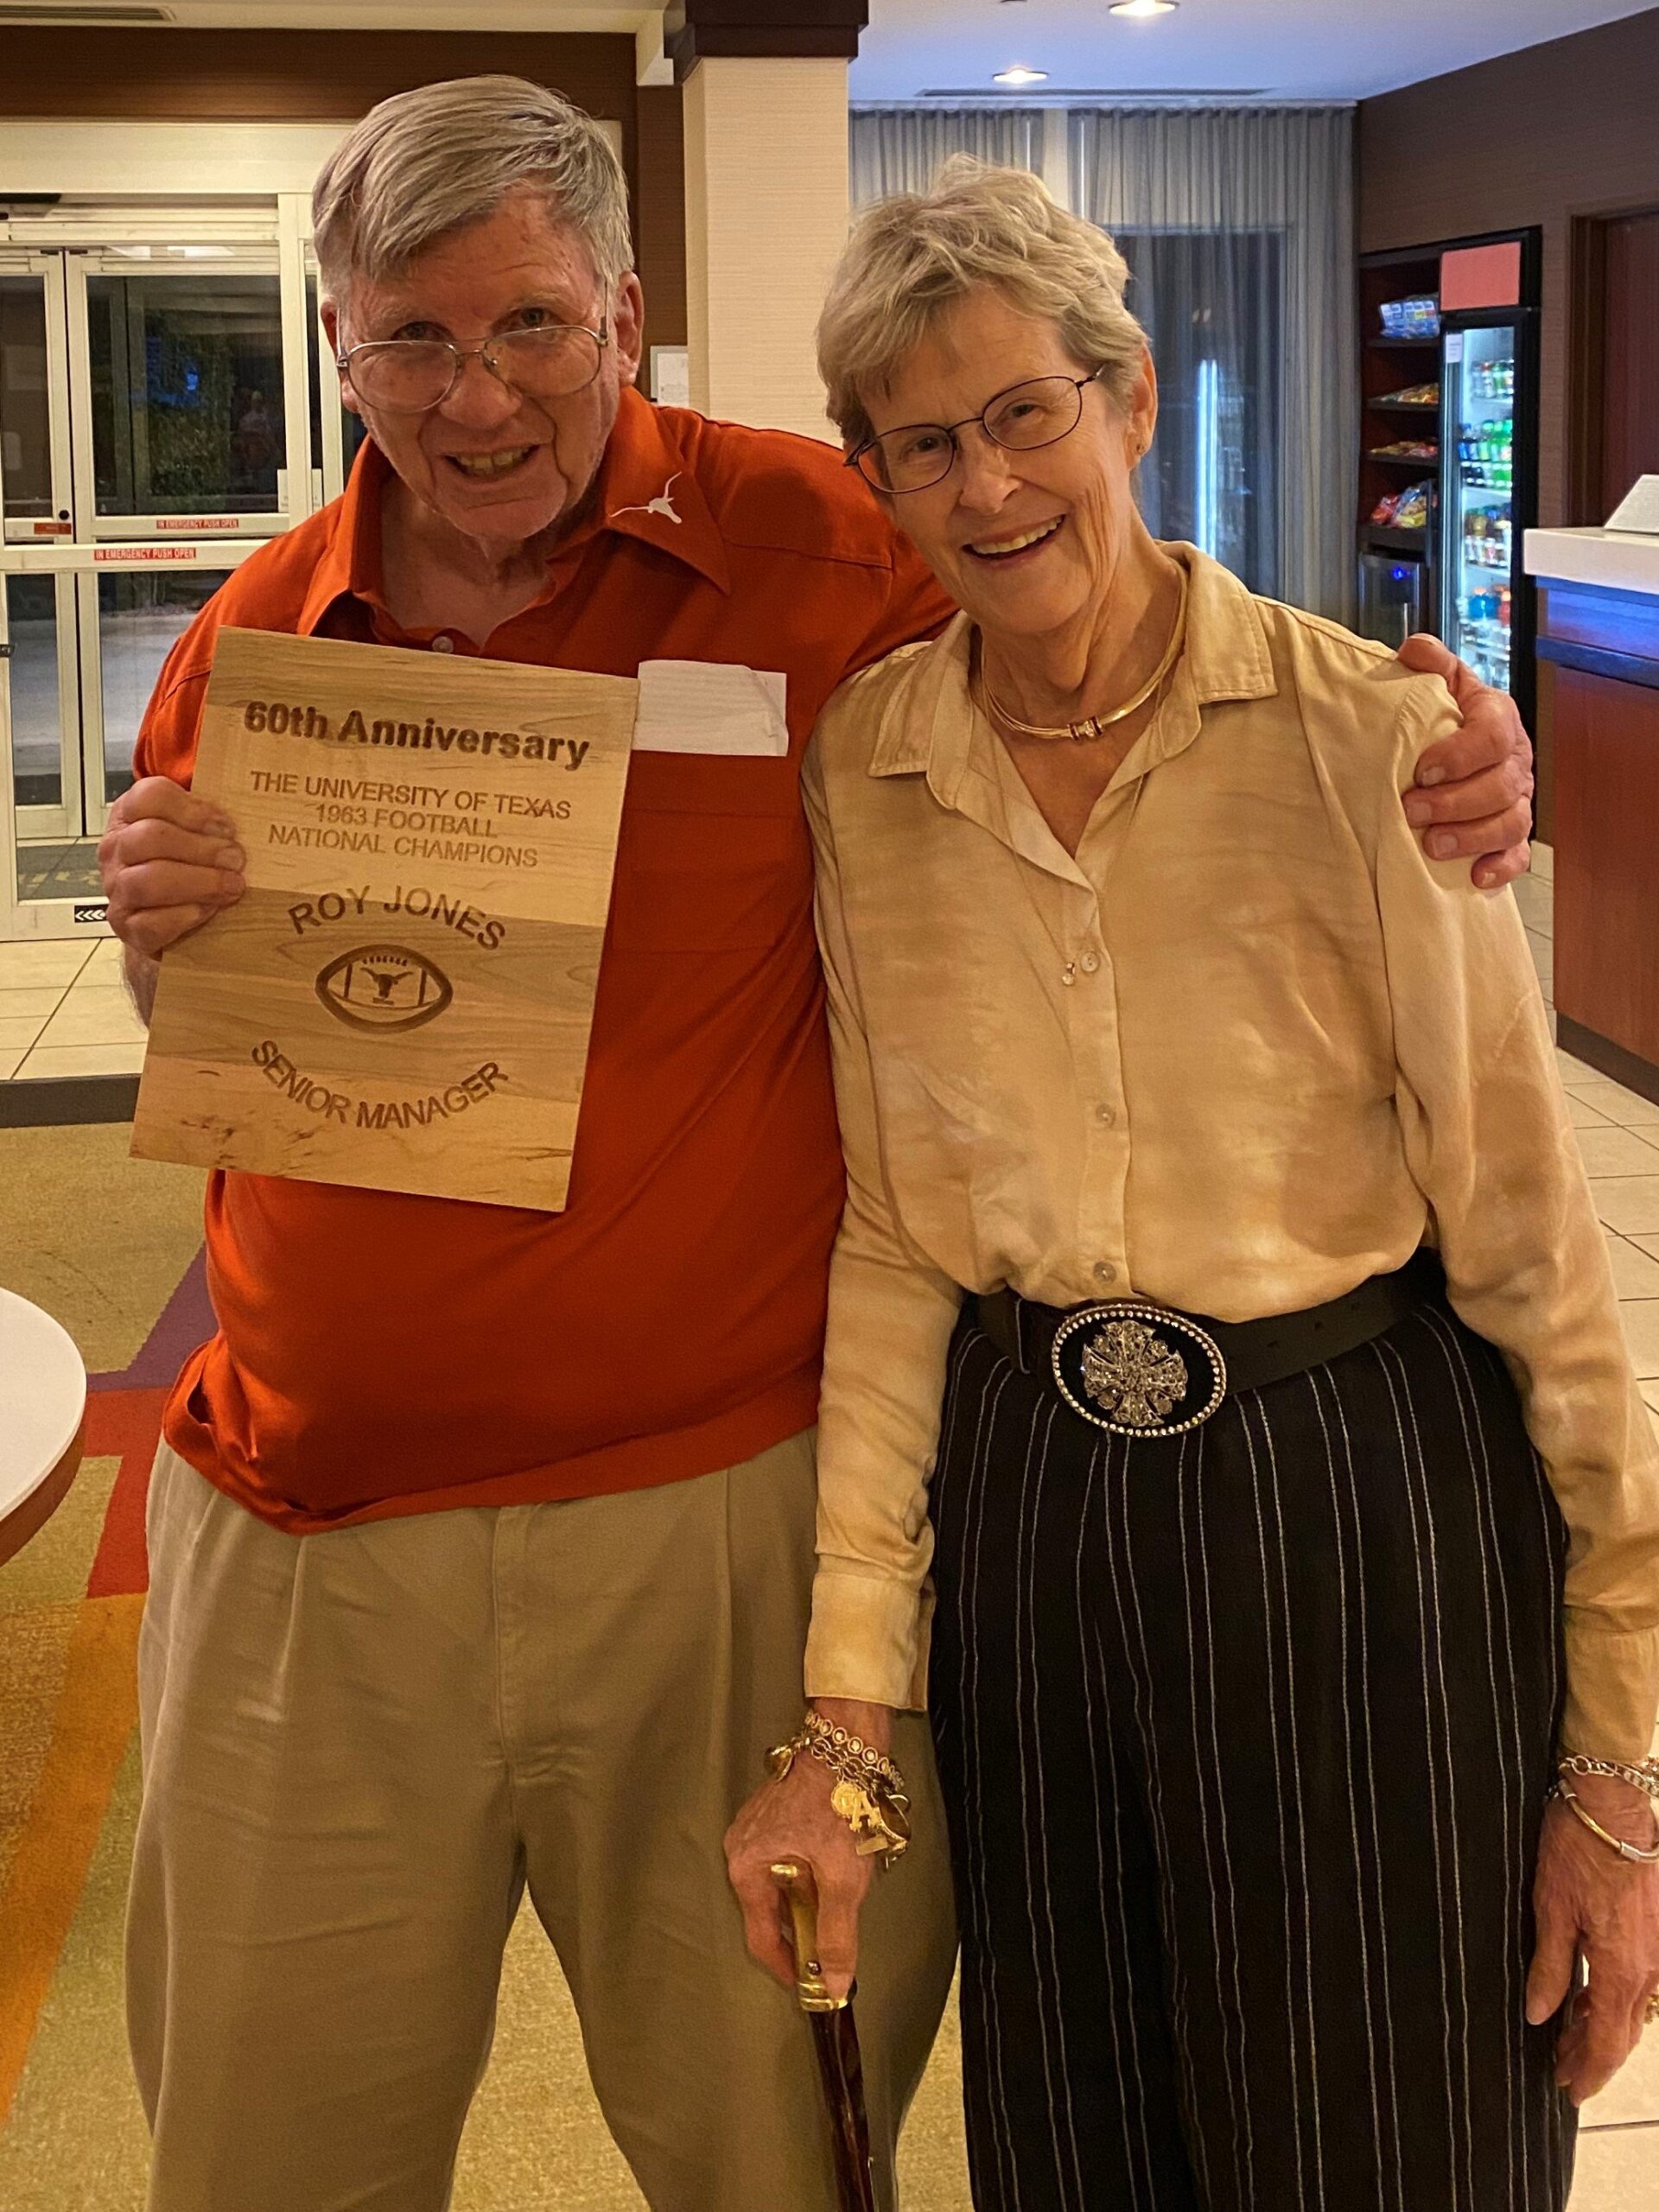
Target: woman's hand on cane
x=1592 y=1904
x=795 y=1819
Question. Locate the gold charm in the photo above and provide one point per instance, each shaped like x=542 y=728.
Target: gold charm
x=780 y=1758
x=854 y=1805
x=1135 y=1376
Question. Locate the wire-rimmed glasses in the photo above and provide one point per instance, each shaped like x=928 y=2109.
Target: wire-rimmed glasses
x=1038 y=412
x=408 y=376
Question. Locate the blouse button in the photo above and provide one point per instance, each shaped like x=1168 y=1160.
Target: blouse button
x=443 y=643
x=1104 y=1271
x=1090 y=962
x=1069 y=973
x=1105 y=1115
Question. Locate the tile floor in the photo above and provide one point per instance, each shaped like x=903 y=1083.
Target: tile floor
x=64 y=1011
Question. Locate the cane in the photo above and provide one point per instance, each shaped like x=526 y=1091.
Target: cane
x=835 y=2037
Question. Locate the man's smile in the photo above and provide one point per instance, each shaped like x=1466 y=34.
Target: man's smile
x=484 y=468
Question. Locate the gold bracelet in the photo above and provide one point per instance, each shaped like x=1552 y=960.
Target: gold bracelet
x=1630 y=1851
x=827 y=1732
x=873 y=1806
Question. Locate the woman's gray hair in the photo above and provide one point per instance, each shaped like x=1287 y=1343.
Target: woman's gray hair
x=912 y=257
x=430 y=160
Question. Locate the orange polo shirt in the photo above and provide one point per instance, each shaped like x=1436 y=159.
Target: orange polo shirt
x=380 y=1354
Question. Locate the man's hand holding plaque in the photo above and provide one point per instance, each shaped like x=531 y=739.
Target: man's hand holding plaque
x=402 y=998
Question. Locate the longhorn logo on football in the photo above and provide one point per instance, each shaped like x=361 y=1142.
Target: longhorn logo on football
x=383 y=986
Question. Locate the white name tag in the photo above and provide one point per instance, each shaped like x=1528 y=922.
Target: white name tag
x=711 y=706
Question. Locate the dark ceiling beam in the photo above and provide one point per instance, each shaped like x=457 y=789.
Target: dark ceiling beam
x=701 y=30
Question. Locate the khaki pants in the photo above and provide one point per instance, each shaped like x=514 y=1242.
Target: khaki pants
x=359 y=1747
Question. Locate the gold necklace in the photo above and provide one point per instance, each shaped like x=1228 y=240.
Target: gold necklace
x=1098 y=725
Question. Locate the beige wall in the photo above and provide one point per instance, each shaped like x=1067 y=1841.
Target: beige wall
x=765 y=206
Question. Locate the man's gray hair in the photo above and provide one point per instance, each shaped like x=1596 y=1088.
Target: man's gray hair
x=428 y=161
x=977 y=227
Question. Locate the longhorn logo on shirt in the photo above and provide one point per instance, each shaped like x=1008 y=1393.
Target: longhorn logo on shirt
x=383 y=986
x=662 y=505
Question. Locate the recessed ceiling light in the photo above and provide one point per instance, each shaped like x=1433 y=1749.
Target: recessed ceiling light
x=1143 y=7
x=1021 y=76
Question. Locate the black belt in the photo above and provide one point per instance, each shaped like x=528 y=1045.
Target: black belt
x=1149 y=1370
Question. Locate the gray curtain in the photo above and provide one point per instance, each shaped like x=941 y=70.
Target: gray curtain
x=1238 y=226
x=901 y=148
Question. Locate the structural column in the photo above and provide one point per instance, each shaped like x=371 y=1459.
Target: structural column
x=764 y=85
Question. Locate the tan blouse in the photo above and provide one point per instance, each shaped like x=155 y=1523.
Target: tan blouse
x=1249 y=1047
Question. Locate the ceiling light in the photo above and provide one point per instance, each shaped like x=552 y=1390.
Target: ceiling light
x=1143 y=7
x=1021 y=75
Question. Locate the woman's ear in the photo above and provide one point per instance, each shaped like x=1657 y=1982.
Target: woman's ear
x=1143 y=406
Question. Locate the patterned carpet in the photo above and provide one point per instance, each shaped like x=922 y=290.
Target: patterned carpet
x=111 y=1247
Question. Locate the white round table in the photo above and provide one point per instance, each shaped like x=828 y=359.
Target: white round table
x=42 y=1418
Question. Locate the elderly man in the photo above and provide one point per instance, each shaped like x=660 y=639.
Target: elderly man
x=482 y=1539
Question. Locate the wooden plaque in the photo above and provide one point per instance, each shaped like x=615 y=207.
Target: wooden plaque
x=402 y=997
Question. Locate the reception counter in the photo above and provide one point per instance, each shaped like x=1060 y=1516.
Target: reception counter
x=1598 y=625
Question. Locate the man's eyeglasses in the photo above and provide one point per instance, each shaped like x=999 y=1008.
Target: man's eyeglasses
x=407 y=376
x=1040 y=412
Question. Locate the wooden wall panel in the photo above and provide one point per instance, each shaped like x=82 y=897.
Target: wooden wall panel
x=1607 y=888
x=276 y=75
x=1628 y=350
x=659 y=216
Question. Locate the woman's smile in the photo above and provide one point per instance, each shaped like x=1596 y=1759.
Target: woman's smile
x=1017 y=547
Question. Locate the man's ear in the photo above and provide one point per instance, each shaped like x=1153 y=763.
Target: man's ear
x=328 y=310
x=628 y=327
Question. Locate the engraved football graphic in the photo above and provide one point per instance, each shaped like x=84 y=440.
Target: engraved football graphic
x=383 y=986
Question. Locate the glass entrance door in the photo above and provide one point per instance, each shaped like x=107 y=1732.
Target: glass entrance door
x=34 y=493
x=183 y=392
x=145 y=450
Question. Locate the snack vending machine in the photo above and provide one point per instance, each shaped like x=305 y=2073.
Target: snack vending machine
x=1489 y=436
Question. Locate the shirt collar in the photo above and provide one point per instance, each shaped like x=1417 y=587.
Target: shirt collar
x=350 y=557
x=645 y=491
x=928 y=727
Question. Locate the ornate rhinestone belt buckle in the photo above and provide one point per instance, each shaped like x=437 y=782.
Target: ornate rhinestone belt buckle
x=1137 y=1369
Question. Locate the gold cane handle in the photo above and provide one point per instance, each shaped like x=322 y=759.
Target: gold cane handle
x=801 y=1893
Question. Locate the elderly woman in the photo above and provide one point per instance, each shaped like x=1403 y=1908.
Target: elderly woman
x=1293 y=1514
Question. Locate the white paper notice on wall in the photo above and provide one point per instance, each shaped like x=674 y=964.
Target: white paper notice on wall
x=1638 y=509
x=712 y=705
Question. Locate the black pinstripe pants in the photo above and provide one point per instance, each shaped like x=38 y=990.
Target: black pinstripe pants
x=1245 y=1738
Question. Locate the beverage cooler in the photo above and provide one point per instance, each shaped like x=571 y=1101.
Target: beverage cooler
x=1489 y=442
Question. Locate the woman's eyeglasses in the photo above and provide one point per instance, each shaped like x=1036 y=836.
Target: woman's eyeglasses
x=407 y=376
x=1040 y=412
